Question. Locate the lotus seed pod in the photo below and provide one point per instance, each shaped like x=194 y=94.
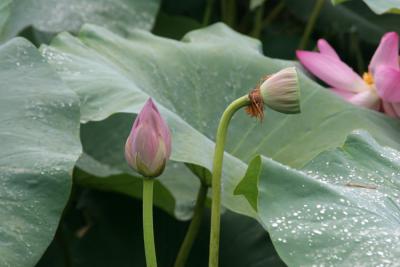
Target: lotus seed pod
x=280 y=91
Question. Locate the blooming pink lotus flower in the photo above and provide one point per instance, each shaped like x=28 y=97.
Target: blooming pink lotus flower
x=148 y=146
x=378 y=89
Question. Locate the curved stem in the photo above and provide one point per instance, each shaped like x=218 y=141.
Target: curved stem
x=193 y=229
x=356 y=50
x=148 y=232
x=311 y=23
x=216 y=176
x=273 y=14
x=208 y=12
x=228 y=8
x=63 y=242
x=258 y=22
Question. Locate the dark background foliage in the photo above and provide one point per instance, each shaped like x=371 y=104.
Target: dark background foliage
x=352 y=28
x=96 y=230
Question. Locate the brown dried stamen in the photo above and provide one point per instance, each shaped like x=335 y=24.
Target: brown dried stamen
x=256 y=106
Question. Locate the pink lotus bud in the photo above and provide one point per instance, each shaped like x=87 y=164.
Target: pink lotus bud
x=148 y=146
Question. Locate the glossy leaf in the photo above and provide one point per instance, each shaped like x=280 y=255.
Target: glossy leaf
x=39 y=146
x=53 y=16
x=193 y=80
x=343 y=208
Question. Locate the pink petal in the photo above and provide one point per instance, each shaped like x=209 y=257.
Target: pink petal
x=129 y=156
x=386 y=53
x=151 y=116
x=145 y=144
x=391 y=109
x=396 y=108
x=387 y=82
x=332 y=71
x=367 y=99
x=325 y=48
x=388 y=109
x=346 y=95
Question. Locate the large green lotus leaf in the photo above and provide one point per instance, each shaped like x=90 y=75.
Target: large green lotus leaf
x=192 y=81
x=39 y=146
x=107 y=218
x=379 y=6
x=342 y=209
x=53 y=16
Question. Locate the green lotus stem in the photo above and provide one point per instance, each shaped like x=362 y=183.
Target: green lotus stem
x=64 y=245
x=273 y=14
x=148 y=232
x=193 y=229
x=356 y=49
x=208 y=12
x=228 y=8
x=216 y=177
x=311 y=23
x=258 y=22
